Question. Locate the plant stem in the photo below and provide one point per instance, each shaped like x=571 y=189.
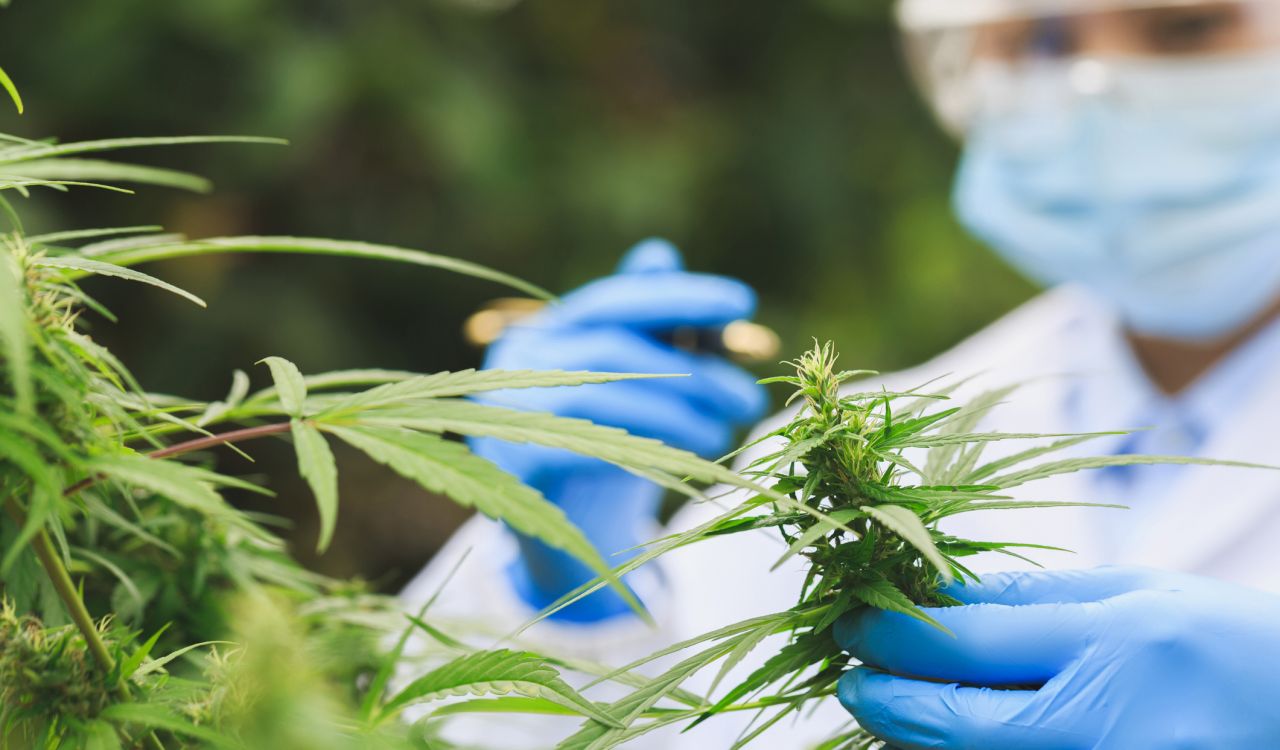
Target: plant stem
x=61 y=579
x=211 y=441
x=66 y=590
x=62 y=583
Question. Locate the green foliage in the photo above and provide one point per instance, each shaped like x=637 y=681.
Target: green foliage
x=6 y=83
x=497 y=673
x=867 y=478
x=208 y=633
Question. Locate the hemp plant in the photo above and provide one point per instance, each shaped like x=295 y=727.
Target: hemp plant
x=138 y=607
x=867 y=477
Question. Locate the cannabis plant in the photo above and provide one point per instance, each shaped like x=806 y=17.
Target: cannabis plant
x=867 y=477
x=139 y=606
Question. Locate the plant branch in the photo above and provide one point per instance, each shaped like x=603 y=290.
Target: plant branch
x=210 y=441
x=49 y=559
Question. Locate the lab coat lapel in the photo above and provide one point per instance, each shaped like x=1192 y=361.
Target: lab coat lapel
x=1213 y=507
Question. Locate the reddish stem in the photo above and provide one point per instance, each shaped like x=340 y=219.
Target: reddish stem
x=211 y=441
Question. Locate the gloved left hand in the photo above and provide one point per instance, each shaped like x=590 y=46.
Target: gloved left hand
x=619 y=324
x=1124 y=659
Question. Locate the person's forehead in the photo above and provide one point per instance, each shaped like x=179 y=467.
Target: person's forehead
x=925 y=14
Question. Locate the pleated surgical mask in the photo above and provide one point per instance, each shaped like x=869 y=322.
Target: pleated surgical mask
x=1153 y=183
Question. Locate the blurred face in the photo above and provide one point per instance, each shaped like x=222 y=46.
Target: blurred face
x=1134 y=151
x=1200 y=30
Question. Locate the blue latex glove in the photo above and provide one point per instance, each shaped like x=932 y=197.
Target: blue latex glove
x=614 y=325
x=1126 y=659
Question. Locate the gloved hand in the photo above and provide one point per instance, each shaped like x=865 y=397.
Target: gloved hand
x=1125 y=659
x=614 y=325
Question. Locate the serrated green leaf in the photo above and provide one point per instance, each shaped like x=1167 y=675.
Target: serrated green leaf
x=155 y=665
x=13 y=331
x=94 y=170
x=100 y=735
x=37 y=150
x=815 y=532
x=52 y=238
x=216 y=410
x=449 y=468
x=981 y=473
x=7 y=84
x=156 y=716
x=507 y=705
x=317 y=465
x=315 y=246
x=497 y=673
x=908 y=525
x=188 y=486
x=596 y=735
x=44 y=494
x=468 y=382
x=1072 y=465
x=130 y=665
x=99 y=268
x=290 y=384
x=807 y=649
x=881 y=594
x=580 y=436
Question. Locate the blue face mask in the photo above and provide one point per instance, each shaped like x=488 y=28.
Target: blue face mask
x=1155 y=185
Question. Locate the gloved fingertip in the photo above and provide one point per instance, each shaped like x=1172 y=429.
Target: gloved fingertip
x=864 y=691
x=653 y=255
x=757 y=403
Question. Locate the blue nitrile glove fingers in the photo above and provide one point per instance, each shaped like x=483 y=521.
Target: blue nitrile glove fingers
x=610 y=505
x=1123 y=658
x=614 y=325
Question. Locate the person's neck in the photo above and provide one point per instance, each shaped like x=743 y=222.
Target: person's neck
x=1173 y=365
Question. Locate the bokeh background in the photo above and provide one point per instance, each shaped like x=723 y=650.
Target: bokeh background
x=780 y=142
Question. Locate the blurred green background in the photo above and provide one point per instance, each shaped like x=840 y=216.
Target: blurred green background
x=780 y=142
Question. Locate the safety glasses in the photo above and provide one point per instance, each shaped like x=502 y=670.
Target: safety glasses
x=953 y=44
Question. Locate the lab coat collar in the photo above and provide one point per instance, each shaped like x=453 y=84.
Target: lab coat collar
x=1234 y=406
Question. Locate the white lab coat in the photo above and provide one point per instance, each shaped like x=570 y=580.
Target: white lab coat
x=1217 y=521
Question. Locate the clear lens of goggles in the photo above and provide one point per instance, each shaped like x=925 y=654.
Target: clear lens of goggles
x=953 y=45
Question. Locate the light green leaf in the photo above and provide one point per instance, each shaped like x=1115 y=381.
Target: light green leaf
x=98 y=170
x=188 y=486
x=314 y=246
x=599 y=736
x=156 y=716
x=47 y=150
x=468 y=382
x=882 y=594
x=155 y=665
x=317 y=466
x=907 y=525
x=78 y=234
x=497 y=673
x=13 y=331
x=99 y=268
x=289 y=384
x=100 y=735
x=988 y=469
x=815 y=532
x=450 y=469
x=1071 y=465
x=508 y=705
x=580 y=436
x=114 y=245
x=216 y=410
x=130 y=665
x=7 y=84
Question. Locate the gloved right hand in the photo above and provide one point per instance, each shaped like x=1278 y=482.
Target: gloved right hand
x=1119 y=658
x=616 y=324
